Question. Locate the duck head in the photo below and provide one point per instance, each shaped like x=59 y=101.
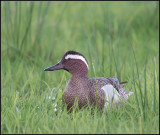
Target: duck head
x=73 y=62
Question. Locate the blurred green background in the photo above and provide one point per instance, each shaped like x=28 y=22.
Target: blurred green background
x=35 y=35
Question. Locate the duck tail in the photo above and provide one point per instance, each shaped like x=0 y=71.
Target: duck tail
x=130 y=92
x=121 y=83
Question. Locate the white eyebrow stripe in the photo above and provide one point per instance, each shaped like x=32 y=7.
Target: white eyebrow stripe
x=71 y=56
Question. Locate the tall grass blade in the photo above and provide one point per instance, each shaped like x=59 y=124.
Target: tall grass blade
x=60 y=17
x=6 y=10
x=115 y=62
x=145 y=92
x=10 y=20
x=154 y=83
x=40 y=22
x=95 y=44
x=39 y=12
x=28 y=26
x=110 y=44
x=89 y=50
x=18 y=21
x=138 y=77
x=136 y=91
x=118 y=62
x=104 y=29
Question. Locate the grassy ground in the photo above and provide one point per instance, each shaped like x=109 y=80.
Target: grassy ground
x=118 y=39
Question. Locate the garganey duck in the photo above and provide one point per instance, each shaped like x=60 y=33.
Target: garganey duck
x=98 y=91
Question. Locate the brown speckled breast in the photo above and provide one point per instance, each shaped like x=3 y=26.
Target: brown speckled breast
x=76 y=89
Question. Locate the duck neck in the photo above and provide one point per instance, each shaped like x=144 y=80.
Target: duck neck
x=79 y=75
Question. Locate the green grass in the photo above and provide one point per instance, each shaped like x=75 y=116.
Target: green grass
x=118 y=39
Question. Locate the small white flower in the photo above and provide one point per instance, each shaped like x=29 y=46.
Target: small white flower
x=55 y=109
